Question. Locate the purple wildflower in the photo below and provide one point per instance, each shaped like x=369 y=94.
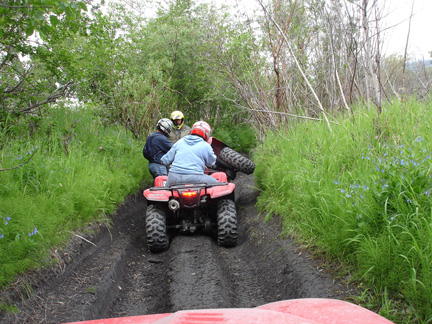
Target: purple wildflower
x=35 y=231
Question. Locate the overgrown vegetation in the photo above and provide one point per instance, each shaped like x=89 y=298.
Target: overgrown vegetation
x=361 y=194
x=66 y=171
x=240 y=138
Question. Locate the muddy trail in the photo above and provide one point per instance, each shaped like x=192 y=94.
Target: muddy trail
x=112 y=274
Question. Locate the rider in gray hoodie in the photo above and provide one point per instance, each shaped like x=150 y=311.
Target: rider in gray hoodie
x=190 y=156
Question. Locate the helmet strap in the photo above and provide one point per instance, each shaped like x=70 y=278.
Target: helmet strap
x=198 y=136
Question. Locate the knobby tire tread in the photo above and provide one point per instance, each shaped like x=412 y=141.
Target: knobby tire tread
x=237 y=161
x=156 y=230
x=227 y=223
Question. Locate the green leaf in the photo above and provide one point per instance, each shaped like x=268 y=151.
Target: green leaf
x=39 y=15
x=43 y=31
x=54 y=20
x=29 y=30
x=82 y=6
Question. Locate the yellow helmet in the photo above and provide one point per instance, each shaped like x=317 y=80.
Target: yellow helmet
x=177 y=115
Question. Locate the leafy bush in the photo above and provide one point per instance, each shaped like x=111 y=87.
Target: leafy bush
x=240 y=138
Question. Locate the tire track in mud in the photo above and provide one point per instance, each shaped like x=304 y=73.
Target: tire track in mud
x=197 y=279
x=196 y=273
x=119 y=277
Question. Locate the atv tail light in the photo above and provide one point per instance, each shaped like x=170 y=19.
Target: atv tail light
x=189 y=194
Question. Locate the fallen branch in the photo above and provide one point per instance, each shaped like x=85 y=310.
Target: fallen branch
x=288 y=114
x=58 y=93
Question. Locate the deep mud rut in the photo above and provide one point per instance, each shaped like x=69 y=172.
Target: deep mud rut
x=111 y=273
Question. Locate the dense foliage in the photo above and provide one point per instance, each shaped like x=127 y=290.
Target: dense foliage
x=134 y=70
x=247 y=76
x=362 y=194
x=28 y=82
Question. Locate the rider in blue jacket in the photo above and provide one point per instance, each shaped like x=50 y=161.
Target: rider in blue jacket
x=158 y=144
x=189 y=157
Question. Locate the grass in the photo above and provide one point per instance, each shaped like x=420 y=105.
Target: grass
x=362 y=194
x=72 y=170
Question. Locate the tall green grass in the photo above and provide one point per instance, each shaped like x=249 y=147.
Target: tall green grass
x=74 y=170
x=362 y=194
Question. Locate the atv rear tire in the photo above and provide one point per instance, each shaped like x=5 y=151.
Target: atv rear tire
x=236 y=160
x=227 y=223
x=156 y=231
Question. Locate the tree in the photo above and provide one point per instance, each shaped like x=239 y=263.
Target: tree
x=26 y=83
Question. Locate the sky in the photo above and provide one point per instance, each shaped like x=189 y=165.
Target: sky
x=420 y=38
x=395 y=24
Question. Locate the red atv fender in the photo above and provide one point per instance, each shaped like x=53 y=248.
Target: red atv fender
x=161 y=193
x=294 y=311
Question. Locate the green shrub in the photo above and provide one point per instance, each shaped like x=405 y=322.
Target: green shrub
x=240 y=138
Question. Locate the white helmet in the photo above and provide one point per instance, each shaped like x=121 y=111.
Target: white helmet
x=165 y=126
x=202 y=129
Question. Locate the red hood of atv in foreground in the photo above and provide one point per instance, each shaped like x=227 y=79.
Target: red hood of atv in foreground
x=294 y=311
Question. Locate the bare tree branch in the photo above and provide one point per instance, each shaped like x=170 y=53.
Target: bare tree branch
x=51 y=98
x=287 y=114
x=408 y=35
x=297 y=64
x=335 y=69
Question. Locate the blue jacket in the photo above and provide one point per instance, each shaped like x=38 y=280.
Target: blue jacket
x=156 y=145
x=190 y=155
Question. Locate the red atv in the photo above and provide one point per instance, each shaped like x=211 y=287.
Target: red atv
x=189 y=208
x=305 y=311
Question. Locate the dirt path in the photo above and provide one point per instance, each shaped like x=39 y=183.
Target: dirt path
x=115 y=275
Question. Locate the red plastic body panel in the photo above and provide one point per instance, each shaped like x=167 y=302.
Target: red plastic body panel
x=160 y=181
x=216 y=192
x=294 y=311
x=213 y=192
x=326 y=311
